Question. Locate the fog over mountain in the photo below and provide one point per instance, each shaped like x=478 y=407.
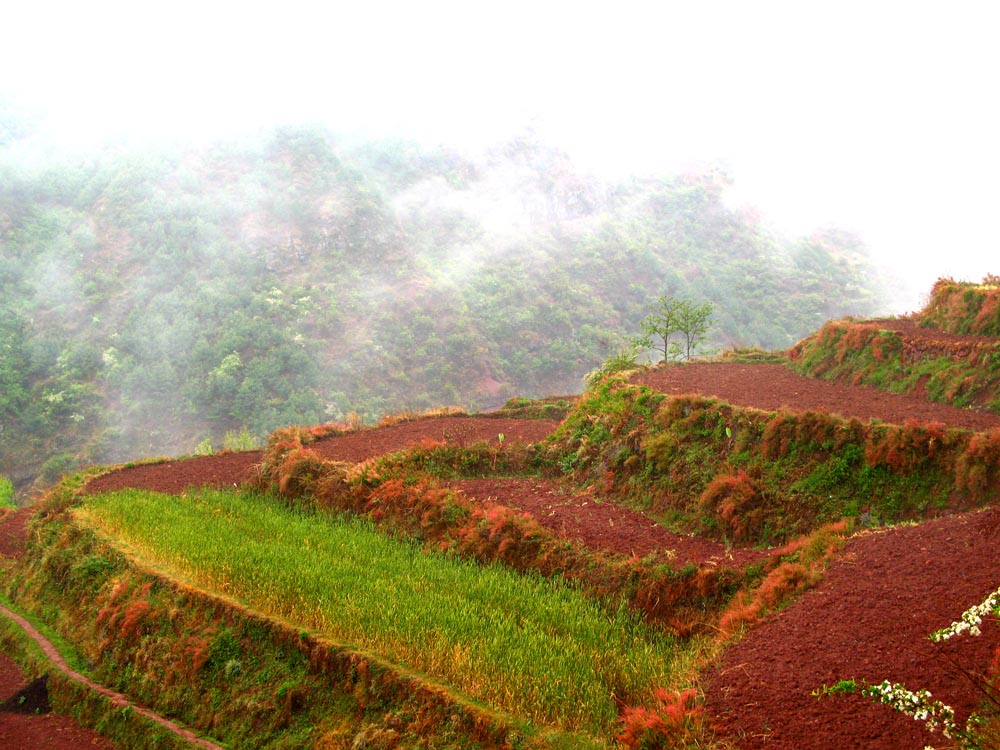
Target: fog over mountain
x=243 y=216
x=864 y=118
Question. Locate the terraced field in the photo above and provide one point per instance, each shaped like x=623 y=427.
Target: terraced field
x=868 y=619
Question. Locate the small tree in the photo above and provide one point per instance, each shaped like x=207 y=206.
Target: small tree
x=676 y=316
x=695 y=322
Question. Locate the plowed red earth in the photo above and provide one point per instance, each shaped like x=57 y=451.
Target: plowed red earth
x=228 y=469
x=600 y=525
x=773 y=386
x=868 y=619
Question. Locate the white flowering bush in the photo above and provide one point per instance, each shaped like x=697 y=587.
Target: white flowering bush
x=978 y=732
x=971 y=619
x=921 y=706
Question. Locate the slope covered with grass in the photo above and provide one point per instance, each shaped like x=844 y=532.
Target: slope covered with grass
x=527 y=646
x=949 y=351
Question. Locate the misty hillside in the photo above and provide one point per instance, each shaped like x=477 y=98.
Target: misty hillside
x=153 y=299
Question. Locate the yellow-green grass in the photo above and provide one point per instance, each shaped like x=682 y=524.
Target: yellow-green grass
x=526 y=645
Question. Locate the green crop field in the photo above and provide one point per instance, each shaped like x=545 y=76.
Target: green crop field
x=526 y=645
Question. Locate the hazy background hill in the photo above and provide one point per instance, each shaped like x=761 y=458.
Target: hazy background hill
x=152 y=299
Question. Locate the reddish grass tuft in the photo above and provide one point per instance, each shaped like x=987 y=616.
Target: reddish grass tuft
x=855 y=339
x=134 y=616
x=736 y=501
x=672 y=722
x=297 y=471
x=977 y=470
x=907 y=447
x=196 y=648
x=787 y=579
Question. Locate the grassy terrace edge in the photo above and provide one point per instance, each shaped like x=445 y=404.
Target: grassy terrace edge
x=530 y=646
x=70 y=697
x=748 y=476
x=963 y=373
x=300 y=689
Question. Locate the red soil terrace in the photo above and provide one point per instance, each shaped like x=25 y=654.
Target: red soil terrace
x=868 y=619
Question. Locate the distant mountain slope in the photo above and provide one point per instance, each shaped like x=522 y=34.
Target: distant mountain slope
x=153 y=299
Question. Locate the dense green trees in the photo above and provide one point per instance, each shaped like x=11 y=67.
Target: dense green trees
x=153 y=300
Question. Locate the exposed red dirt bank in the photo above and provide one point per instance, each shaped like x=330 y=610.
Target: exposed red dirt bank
x=600 y=525
x=14 y=532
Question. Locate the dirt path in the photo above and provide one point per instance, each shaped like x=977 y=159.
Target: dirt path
x=47 y=730
x=117 y=699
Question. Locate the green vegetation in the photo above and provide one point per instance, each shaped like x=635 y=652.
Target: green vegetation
x=961 y=373
x=528 y=646
x=261 y=682
x=244 y=440
x=6 y=492
x=69 y=697
x=374 y=604
x=755 y=477
x=964 y=307
x=153 y=300
x=623 y=361
x=675 y=316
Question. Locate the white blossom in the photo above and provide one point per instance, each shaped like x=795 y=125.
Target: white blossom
x=971 y=619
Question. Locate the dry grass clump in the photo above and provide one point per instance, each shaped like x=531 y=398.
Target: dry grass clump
x=796 y=567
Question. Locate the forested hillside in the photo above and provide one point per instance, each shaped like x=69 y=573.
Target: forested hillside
x=153 y=299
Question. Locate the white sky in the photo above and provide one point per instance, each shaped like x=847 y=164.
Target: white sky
x=880 y=117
